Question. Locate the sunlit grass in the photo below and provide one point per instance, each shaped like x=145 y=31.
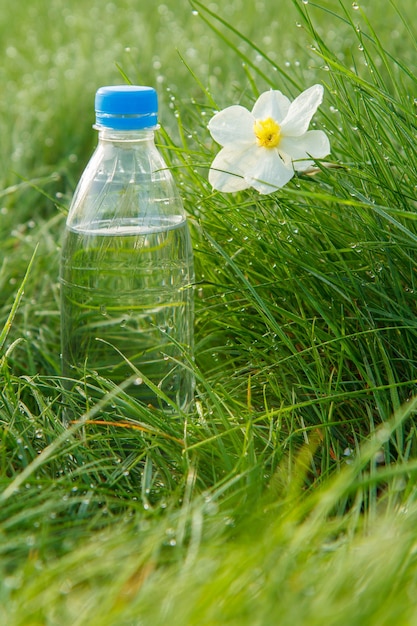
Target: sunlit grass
x=288 y=495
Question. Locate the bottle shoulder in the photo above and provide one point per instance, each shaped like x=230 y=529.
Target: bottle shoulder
x=127 y=159
x=125 y=182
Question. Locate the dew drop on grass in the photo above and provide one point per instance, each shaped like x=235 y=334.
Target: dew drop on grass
x=170 y=533
x=12 y=582
x=355 y=6
x=66 y=587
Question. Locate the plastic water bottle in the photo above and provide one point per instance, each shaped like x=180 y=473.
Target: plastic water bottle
x=126 y=264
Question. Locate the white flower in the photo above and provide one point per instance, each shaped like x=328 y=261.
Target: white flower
x=263 y=148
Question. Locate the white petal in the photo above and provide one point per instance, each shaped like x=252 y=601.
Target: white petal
x=271 y=104
x=269 y=173
x=313 y=144
x=227 y=172
x=301 y=111
x=232 y=125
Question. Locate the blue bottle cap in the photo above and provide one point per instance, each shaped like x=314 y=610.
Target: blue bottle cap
x=126 y=107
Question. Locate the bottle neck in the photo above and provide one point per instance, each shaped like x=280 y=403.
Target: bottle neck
x=112 y=135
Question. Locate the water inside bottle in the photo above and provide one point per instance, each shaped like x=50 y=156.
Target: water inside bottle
x=127 y=298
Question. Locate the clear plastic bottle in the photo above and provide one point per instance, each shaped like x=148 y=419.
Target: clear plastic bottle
x=127 y=264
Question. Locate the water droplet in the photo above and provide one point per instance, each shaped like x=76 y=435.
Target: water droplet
x=13 y=582
x=66 y=587
x=170 y=532
x=355 y=6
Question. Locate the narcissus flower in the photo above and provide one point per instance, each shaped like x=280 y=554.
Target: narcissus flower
x=263 y=148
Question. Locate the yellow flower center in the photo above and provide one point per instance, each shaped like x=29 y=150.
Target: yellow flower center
x=268 y=133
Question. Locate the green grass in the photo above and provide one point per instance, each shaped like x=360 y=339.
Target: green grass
x=289 y=495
